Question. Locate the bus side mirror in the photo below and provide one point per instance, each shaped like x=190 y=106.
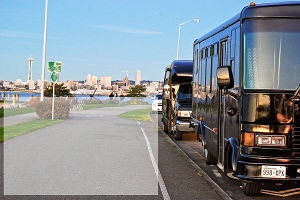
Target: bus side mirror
x=166 y=93
x=224 y=77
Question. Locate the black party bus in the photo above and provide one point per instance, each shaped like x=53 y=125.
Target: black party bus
x=246 y=101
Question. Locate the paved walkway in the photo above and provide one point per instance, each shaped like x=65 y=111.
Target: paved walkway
x=17 y=119
x=181 y=175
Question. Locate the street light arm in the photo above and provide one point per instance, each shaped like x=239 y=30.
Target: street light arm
x=178 y=42
x=197 y=20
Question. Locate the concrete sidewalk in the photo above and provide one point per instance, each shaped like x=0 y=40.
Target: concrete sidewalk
x=17 y=119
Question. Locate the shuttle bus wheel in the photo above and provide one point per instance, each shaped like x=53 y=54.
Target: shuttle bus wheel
x=251 y=188
x=165 y=128
x=209 y=159
x=178 y=134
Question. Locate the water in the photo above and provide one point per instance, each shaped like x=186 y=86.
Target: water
x=24 y=96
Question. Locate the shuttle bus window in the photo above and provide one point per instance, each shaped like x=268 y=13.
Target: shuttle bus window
x=214 y=66
x=216 y=49
x=214 y=73
x=223 y=53
x=237 y=58
x=202 y=79
x=272 y=54
x=232 y=44
x=212 y=50
x=232 y=51
x=167 y=73
x=195 y=60
x=208 y=74
x=199 y=70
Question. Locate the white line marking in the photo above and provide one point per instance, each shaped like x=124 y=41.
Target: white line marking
x=161 y=182
x=138 y=122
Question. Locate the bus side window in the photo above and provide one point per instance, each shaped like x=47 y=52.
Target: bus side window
x=237 y=58
x=223 y=53
x=214 y=65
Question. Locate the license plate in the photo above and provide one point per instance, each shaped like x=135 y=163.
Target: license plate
x=273 y=171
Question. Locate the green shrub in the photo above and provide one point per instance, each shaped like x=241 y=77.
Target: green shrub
x=44 y=108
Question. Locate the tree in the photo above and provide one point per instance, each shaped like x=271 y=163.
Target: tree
x=60 y=91
x=136 y=91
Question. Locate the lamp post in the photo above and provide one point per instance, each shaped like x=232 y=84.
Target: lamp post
x=178 y=43
x=44 y=52
x=30 y=61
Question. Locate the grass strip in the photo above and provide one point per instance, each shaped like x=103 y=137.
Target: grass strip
x=139 y=115
x=6 y=112
x=91 y=106
x=23 y=128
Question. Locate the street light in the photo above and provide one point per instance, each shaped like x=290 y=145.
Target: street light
x=178 y=44
x=44 y=52
x=30 y=60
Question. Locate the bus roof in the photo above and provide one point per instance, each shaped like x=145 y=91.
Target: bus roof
x=278 y=9
x=181 y=71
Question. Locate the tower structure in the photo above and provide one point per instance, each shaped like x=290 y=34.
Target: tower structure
x=138 y=77
x=30 y=61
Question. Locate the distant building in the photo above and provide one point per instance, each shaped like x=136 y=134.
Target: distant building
x=88 y=80
x=126 y=81
x=18 y=82
x=31 y=84
x=105 y=81
x=39 y=83
x=94 y=80
x=138 y=77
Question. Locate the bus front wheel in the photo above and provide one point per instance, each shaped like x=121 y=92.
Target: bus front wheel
x=165 y=127
x=209 y=159
x=178 y=135
x=251 y=188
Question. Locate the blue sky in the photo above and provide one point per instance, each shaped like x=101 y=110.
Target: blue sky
x=105 y=37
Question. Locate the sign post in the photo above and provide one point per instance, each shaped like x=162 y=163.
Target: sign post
x=53 y=101
x=54 y=68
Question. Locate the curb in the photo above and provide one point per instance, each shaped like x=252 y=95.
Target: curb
x=223 y=195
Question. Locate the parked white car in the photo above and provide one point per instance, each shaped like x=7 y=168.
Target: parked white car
x=157 y=103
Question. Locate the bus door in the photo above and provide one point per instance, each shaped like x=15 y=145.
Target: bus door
x=195 y=82
x=222 y=103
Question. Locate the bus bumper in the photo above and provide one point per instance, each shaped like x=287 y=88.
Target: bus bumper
x=184 y=126
x=279 y=170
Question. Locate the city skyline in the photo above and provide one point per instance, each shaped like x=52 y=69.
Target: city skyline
x=104 y=37
x=137 y=76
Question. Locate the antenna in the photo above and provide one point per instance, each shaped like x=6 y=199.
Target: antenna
x=126 y=72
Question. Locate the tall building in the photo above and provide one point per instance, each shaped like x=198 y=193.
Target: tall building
x=138 y=77
x=105 y=81
x=94 y=80
x=89 y=80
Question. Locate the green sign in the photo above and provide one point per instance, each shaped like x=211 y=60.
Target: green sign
x=54 y=66
x=54 y=77
x=58 y=66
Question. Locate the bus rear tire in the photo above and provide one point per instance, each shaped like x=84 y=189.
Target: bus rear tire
x=178 y=135
x=165 y=127
x=251 y=188
x=209 y=159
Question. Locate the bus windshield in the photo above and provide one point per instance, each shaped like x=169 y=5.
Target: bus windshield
x=271 y=54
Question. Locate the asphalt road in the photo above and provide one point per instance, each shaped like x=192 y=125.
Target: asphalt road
x=194 y=150
x=97 y=155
